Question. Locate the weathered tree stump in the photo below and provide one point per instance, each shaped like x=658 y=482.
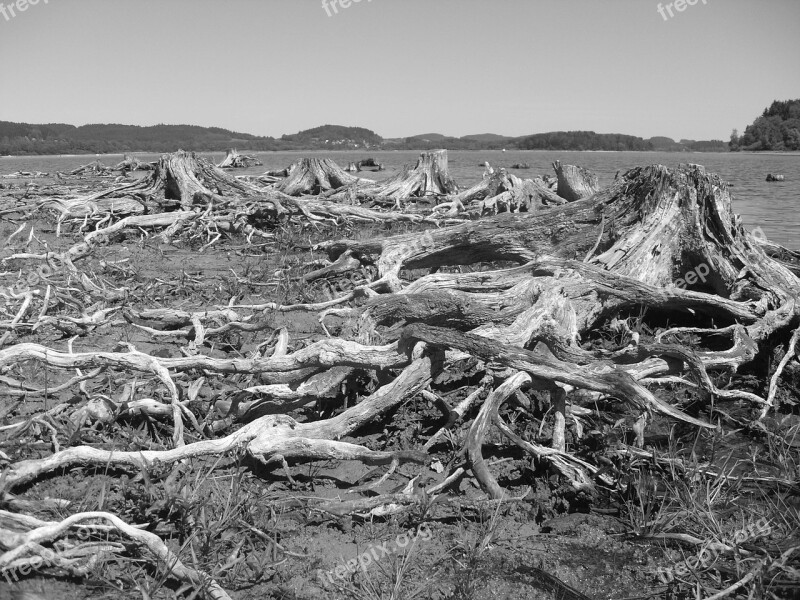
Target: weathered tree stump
x=234 y=160
x=314 y=176
x=428 y=178
x=369 y=162
x=131 y=163
x=574 y=182
x=505 y=192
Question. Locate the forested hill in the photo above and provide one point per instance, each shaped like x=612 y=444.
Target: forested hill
x=778 y=128
x=582 y=140
x=59 y=138
x=335 y=135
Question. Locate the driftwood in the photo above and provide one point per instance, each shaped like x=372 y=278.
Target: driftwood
x=131 y=163
x=93 y=168
x=25 y=175
x=188 y=191
x=234 y=160
x=641 y=253
x=428 y=178
x=313 y=176
x=181 y=179
x=279 y=173
x=504 y=192
x=574 y=182
x=369 y=162
x=660 y=243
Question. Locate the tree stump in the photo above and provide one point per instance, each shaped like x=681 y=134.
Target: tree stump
x=428 y=178
x=574 y=182
x=234 y=160
x=314 y=176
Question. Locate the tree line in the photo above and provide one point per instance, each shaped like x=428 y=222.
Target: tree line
x=778 y=128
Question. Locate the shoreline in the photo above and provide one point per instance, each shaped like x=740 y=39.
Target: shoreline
x=395 y=150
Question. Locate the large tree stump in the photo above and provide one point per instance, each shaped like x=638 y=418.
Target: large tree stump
x=428 y=178
x=314 y=176
x=665 y=229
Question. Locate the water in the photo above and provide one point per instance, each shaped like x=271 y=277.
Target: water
x=775 y=207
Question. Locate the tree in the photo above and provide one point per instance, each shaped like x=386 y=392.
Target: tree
x=733 y=145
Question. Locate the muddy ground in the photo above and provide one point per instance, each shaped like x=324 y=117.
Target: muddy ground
x=260 y=536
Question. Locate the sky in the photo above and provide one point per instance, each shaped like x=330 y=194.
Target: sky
x=402 y=67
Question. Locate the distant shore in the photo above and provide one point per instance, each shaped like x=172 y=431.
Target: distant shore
x=393 y=150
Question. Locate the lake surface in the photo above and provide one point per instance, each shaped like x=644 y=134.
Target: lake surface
x=775 y=207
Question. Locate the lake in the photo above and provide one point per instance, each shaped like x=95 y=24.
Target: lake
x=775 y=207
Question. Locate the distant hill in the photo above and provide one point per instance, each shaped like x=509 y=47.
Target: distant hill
x=665 y=144
x=706 y=145
x=486 y=137
x=428 y=137
x=335 y=137
x=778 y=128
x=60 y=138
x=582 y=140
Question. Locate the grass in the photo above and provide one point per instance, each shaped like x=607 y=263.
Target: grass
x=696 y=510
x=472 y=546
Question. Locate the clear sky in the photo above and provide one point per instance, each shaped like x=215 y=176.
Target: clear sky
x=402 y=67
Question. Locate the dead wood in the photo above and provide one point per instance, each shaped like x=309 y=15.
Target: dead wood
x=428 y=178
x=369 y=162
x=660 y=243
x=93 y=168
x=131 y=163
x=314 y=176
x=234 y=160
x=574 y=182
